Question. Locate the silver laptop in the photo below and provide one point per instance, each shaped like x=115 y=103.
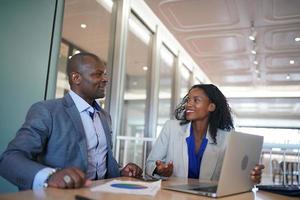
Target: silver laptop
x=241 y=155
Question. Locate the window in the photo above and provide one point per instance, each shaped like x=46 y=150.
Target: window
x=185 y=82
x=138 y=66
x=166 y=75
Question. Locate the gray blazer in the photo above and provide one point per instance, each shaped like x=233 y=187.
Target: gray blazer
x=171 y=146
x=52 y=136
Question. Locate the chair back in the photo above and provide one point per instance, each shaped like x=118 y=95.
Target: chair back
x=275 y=164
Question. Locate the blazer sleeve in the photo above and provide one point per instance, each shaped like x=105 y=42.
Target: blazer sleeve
x=159 y=150
x=19 y=163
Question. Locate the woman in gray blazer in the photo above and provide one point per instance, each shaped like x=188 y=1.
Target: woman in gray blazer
x=193 y=146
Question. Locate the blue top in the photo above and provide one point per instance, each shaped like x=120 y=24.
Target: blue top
x=195 y=158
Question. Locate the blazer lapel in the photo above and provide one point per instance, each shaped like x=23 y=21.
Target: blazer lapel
x=185 y=133
x=78 y=127
x=106 y=128
x=209 y=159
x=112 y=165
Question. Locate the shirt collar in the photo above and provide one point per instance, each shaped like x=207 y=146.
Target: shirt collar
x=82 y=105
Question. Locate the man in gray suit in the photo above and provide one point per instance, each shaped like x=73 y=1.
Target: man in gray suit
x=66 y=143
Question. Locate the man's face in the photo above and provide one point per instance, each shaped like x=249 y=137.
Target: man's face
x=93 y=79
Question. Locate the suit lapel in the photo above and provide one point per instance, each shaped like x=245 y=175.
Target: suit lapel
x=78 y=126
x=112 y=165
x=210 y=158
x=106 y=129
x=209 y=161
x=185 y=133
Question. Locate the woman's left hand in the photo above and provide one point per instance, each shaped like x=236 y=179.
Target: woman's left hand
x=256 y=173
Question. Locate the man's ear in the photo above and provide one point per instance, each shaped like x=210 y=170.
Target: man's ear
x=212 y=107
x=75 y=77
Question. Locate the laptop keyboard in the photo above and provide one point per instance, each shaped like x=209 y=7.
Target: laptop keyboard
x=289 y=190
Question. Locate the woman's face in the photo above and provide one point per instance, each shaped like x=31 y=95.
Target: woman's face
x=198 y=105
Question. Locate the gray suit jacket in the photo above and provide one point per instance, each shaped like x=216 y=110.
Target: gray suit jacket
x=52 y=136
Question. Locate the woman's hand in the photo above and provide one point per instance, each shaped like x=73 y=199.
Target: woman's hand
x=163 y=169
x=256 y=173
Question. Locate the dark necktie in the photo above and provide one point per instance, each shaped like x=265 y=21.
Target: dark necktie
x=96 y=108
x=92 y=114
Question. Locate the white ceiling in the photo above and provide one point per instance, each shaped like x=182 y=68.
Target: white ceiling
x=215 y=33
x=95 y=38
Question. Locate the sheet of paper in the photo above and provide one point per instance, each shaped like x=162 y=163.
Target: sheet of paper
x=129 y=187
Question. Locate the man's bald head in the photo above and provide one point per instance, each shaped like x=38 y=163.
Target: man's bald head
x=77 y=62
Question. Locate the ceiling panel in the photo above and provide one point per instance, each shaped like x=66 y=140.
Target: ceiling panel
x=279 y=11
x=223 y=13
x=229 y=65
x=216 y=45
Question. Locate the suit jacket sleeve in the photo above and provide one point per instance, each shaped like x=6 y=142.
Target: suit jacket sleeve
x=19 y=163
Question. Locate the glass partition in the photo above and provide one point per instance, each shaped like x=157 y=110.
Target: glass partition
x=196 y=80
x=166 y=75
x=185 y=80
x=62 y=85
x=137 y=74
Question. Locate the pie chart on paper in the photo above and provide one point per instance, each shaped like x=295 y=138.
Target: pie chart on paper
x=128 y=186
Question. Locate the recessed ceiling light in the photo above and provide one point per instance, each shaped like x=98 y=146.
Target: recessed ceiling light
x=253 y=52
x=83 y=26
x=297 y=39
x=292 y=62
x=288 y=77
x=257 y=71
x=255 y=62
x=253 y=33
x=252 y=37
x=145 y=68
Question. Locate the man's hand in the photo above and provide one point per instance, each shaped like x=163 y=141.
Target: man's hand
x=164 y=169
x=256 y=173
x=132 y=170
x=68 y=178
